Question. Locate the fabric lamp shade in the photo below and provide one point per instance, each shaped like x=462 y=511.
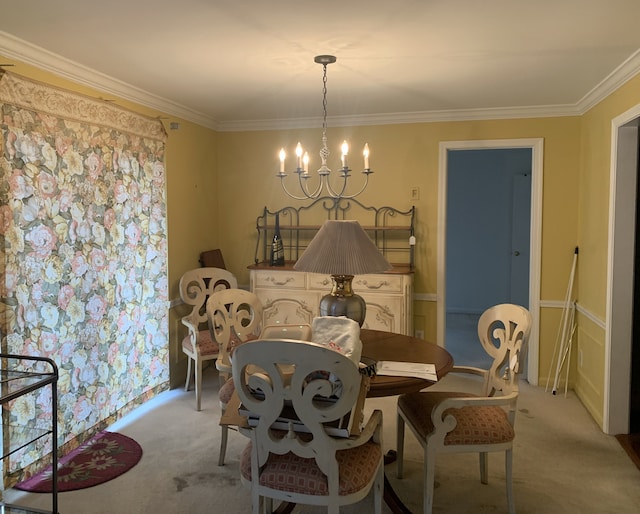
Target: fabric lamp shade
x=342 y=247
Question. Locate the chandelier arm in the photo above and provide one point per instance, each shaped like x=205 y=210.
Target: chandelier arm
x=303 y=186
x=348 y=197
x=364 y=186
x=290 y=194
x=335 y=194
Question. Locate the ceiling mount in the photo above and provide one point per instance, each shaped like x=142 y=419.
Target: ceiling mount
x=325 y=59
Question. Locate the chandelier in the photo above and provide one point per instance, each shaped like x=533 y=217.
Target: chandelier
x=302 y=157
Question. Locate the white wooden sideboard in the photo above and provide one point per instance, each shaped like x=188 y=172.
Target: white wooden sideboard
x=290 y=296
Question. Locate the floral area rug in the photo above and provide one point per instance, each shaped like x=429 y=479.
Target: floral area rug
x=100 y=459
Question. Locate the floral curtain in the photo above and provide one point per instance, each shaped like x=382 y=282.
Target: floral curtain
x=83 y=254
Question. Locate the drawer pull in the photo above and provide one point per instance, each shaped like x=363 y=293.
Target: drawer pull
x=280 y=282
x=380 y=284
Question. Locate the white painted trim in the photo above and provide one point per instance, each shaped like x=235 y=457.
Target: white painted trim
x=552 y=304
x=425 y=297
x=560 y=304
x=537 y=171
x=591 y=316
x=399 y=118
x=544 y=304
x=620 y=265
x=616 y=79
x=441 y=287
x=22 y=50
x=535 y=274
x=28 y=53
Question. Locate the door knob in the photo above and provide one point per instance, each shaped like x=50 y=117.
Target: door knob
x=516 y=253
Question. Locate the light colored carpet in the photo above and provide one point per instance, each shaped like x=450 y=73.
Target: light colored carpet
x=462 y=340
x=563 y=463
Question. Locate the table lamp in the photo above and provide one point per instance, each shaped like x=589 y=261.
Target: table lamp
x=342 y=249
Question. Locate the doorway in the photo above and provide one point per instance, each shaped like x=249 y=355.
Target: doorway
x=634 y=393
x=534 y=188
x=620 y=272
x=488 y=241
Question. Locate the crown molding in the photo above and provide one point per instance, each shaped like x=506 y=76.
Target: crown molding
x=400 y=118
x=28 y=53
x=20 y=50
x=616 y=79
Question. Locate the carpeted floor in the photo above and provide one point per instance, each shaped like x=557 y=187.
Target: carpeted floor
x=563 y=463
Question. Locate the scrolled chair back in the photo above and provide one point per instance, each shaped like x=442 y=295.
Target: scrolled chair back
x=504 y=331
x=198 y=284
x=235 y=316
x=317 y=383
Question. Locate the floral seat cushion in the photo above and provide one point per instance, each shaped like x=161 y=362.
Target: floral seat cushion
x=475 y=425
x=226 y=392
x=296 y=474
x=207 y=345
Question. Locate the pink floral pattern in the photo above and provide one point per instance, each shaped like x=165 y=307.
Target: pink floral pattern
x=83 y=255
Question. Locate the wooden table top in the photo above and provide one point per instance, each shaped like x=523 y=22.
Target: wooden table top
x=378 y=345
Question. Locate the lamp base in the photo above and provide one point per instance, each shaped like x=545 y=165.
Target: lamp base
x=342 y=301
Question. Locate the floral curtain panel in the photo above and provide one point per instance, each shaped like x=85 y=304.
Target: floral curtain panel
x=83 y=254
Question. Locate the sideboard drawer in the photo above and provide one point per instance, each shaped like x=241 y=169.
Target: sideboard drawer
x=361 y=283
x=318 y=281
x=288 y=279
x=377 y=283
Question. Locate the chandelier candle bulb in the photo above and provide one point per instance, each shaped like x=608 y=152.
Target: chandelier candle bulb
x=299 y=155
x=365 y=152
x=345 y=152
x=305 y=161
x=282 y=156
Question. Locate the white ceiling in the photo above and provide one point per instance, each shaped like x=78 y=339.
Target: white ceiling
x=232 y=64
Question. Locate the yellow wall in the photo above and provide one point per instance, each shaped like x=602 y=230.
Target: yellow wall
x=593 y=214
x=403 y=157
x=594 y=193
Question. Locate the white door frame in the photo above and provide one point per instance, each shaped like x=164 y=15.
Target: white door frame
x=620 y=269
x=537 y=146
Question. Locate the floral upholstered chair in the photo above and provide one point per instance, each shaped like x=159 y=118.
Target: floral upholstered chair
x=455 y=422
x=304 y=446
x=196 y=286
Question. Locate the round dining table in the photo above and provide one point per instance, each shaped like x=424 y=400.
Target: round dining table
x=389 y=346
x=380 y=346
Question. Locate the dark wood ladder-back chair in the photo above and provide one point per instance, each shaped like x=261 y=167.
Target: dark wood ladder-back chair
x=212 y=259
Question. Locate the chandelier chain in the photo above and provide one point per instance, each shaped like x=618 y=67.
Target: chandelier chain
x=324 y=149
x=324 y=99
